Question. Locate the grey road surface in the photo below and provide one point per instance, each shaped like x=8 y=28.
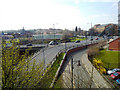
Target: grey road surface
x=47 y=54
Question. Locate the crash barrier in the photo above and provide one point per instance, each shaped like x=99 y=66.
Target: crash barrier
x=68 y=52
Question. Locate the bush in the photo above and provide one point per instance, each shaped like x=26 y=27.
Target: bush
x=99 y=65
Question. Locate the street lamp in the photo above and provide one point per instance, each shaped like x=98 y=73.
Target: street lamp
x=86 y=38
x=91 y=32
x=54 y=30
x=78 y=64
x=43 y=50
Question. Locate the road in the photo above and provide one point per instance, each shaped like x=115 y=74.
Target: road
x=48 y=54
x=81 y=78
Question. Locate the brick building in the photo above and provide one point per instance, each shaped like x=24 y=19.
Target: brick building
x=115 y=45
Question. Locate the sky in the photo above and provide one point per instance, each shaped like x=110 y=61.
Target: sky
x=59 y=14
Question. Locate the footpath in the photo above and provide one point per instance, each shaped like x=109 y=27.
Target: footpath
x=97 y=78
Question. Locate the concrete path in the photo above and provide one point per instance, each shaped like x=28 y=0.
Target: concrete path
x=82 y=75
x=97 y=78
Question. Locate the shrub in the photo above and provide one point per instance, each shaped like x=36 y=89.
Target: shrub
x=99 y=65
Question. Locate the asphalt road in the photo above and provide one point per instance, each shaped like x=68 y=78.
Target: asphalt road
x=51 y=51
x=47 y=54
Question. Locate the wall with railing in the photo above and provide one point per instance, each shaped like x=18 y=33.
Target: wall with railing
x=68 y=52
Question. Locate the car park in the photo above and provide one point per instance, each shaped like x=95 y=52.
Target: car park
x=113 y=71
x=115 y=75
x=77 y=41
x=118 y=81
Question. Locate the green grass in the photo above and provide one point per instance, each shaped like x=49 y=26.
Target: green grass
x=109 y=58
x=59 y=83
x=14 y=40
x=73 y=39
x=48 y=77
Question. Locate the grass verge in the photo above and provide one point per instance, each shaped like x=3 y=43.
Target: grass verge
x=59 y=82
x=73 y=39
x=48 y=77
x=109 y=58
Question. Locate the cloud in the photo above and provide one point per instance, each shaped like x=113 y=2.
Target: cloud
x=39 y=14
x=103 y=18
x=42 y=14
x=78 y=1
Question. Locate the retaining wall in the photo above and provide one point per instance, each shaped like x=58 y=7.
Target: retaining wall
x=68 y=52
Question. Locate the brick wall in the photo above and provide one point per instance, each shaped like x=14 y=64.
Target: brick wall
x=115 y=45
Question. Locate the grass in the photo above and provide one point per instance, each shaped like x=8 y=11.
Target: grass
x=109 y=58
x=73 y=39
x=14 y=40
x=59 y=83
x=48 y=77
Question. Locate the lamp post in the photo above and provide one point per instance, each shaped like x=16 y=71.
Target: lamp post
x=43 y=50
x=91 y=32
x=54 y=31
x=78 y=64
x=86 y=38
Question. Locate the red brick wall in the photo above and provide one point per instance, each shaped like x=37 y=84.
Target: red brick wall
x=115 y=45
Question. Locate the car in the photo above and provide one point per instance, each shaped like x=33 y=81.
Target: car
x=96 y=38
x=30 y=44
x=118 y=81
x=77 y=41
x=115 y=75
x=91 y=39
x=113 y=71
x=53 y=43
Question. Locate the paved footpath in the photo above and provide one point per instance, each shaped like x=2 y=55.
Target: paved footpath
x=82 y=76
x=97 y=78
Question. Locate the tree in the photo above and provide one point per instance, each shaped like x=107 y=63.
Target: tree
x=19 y=71
x=76 y=29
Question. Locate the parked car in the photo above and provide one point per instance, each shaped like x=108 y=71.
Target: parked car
x=96 y=38
x=53 y=43
x=113 y=71
x=115 y=75
x=91 y=39
x=118 y=81
x=77 y=41
x=30 y=44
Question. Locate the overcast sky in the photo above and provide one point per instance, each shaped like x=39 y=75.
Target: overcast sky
x=34 y=14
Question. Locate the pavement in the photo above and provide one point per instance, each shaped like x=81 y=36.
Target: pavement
x=84 y=76
x=97 y=78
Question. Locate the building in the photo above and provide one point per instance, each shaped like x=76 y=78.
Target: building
x=119 y=18
x=7 y=36
x=105 y=29
x=115 y=45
